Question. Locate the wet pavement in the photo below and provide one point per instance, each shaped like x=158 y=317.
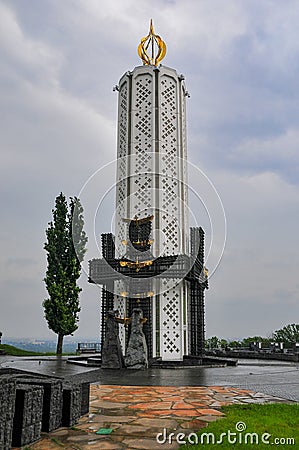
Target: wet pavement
x=270 y=377
x=51 y=366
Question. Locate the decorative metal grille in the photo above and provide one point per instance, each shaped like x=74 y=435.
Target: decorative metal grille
x=196 y=300
x=170 y=195
x=141 y=184
x=171 y=334
x=123 y=142
x=123 y=121
x=120 y=304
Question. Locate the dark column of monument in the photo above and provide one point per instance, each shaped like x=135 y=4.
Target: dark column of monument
x=197 y=288
x=107 y=304
x=197 y=332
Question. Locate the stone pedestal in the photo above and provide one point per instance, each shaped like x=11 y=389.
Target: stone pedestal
x=52 y=400
x=112 y=357
x=27 y=422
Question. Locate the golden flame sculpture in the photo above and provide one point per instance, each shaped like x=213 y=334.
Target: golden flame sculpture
x=148 y=44
x=135 y=265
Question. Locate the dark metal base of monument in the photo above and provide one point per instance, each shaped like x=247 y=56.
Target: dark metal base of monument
x=157 y=363
x=190 y=361
x=31 y=403
x=138 y=275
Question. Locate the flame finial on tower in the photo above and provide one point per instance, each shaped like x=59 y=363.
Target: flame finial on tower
x=153 y=44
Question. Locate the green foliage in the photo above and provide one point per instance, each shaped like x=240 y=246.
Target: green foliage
x=246 y=341
x=215 y=342
x=279 y=420
x=234 y=344
x=223 y=343
x=65 y=249
x=289 y=334
x=212 y=342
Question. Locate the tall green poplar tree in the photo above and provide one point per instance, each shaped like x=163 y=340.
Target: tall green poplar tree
x=65 y=247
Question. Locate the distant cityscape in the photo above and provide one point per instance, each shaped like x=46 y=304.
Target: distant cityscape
x=46 y=345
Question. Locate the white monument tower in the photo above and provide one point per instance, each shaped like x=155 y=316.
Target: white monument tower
x=152 y=186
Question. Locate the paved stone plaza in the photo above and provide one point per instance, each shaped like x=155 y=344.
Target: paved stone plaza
x=136 y=414
x=139 y=404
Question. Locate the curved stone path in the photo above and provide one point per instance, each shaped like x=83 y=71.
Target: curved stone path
x=136 y=414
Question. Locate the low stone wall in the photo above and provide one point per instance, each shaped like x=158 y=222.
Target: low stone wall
x=30 y=404
x=72 y=399
x=27 y=421
x=85 y=394
x=7 y=410
x=52 y=399
x=256 y=355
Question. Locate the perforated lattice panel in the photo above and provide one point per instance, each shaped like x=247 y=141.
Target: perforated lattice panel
x=142 y=145
x=120 y=304
x=122 y=172
x=120 y=226
x=171 y=326
x=170 y=189
x=123 y=121
x=184 y=168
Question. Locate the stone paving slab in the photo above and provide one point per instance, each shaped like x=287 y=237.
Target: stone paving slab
x=136 y=414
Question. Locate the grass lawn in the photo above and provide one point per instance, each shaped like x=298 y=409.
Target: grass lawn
x=269 y=422
x=14 y=351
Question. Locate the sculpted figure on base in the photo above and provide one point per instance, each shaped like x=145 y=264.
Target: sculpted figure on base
x=136 y=354
x=112 y=356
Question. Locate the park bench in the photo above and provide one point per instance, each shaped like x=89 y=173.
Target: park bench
x=88 y=347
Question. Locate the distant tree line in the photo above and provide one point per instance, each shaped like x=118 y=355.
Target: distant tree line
x=289 y=335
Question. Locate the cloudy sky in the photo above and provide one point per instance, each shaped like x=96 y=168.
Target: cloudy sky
x=58 y=63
